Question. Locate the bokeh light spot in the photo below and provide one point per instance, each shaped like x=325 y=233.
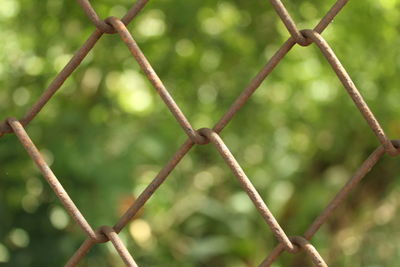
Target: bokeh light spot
x=19 y=237
x=59 y=218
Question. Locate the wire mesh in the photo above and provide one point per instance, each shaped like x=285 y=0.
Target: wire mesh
x=113 y=25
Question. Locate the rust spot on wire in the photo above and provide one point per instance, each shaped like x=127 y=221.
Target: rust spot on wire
x=203 y=136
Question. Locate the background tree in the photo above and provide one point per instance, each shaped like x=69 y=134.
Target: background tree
x=106 y=133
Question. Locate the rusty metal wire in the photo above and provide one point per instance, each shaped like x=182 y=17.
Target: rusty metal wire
x=203 y=136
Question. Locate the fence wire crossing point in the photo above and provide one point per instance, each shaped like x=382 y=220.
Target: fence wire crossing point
x=112 y=25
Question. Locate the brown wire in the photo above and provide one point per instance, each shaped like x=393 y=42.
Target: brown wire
x=203 y=136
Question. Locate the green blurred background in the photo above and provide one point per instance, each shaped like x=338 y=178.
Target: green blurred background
x=107 y=133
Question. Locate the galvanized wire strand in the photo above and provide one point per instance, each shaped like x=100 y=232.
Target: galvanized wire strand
x=134 y=11
x=52 y=179
x=80 y=253
x=330 y=15
x=153 y=186
x=355 y=95
x=291 y=26
x=368 y=164
x=289 y=22
x=92 y=15
x=119 y=246
x=203 y=136
x=139 y=202
x=69 y=68
x=154 y=79
x=310 y=250
x=270 y=66
x=57 y=82
x=249 y=188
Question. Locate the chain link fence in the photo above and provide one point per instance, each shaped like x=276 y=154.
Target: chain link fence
x=113 y=25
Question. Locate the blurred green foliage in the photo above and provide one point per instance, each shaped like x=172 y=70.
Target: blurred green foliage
x=106 y=133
